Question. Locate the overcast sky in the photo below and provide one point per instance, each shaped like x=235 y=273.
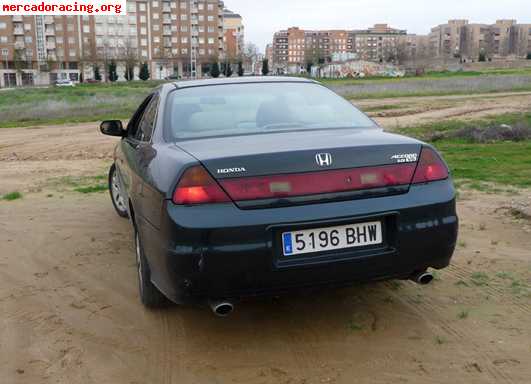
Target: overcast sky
x=263 y=17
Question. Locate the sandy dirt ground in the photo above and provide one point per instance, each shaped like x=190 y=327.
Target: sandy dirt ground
x=69 y=308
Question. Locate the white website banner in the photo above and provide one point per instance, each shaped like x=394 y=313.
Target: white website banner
x=63 y=7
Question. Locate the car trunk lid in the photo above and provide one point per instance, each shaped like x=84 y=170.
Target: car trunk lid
x=301 y=167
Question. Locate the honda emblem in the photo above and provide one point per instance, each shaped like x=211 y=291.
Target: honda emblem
x=323 y=159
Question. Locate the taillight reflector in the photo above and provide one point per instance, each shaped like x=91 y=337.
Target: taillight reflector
x=198 y=187
x=430 y=167
x=304 y=184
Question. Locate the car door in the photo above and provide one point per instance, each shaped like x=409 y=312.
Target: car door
x=140 y=154
x=125 y=157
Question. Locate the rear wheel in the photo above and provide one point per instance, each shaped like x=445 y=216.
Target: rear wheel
x=117 y=196
x=150 y=296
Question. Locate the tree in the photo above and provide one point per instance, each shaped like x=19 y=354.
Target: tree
x=131 y=59
x=228 y=69
x=19 y=59
x=129 y=72
x=214 y=69
x=265 y=67
x=113 y=75
x=144 y=72
x=97 y=74
x=240 y=69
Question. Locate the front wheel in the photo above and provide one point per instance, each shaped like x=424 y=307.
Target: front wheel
x=117 y=196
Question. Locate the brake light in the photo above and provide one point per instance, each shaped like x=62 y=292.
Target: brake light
x=198 y=187
x=430 y=167
x=314 y=183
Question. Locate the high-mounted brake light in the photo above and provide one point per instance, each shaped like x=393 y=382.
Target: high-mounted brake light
x=198 y=187
x=430 y=167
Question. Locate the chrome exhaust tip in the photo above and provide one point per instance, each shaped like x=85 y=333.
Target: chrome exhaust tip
x=221 y=308
x=422 y=278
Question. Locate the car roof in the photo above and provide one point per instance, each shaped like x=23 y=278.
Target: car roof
x=242 y=80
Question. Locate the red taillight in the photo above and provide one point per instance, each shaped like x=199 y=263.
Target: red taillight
x=198 y=187
x=430 y=167
x=304 y=184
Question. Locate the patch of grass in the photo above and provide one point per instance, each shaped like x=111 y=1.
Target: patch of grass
x=504 y=275
x=395 y=285
x=53 y=105
x=353 y=326
x=462 y=283
x=480 y=279
x=440 y=340
x=463 y=314
x=12 y=196
x=462 y=243
x=383 y=107
x=419 y=93
x=504 y=163
x=92 y=188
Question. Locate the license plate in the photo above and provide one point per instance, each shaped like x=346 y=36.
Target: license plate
x=332 y=238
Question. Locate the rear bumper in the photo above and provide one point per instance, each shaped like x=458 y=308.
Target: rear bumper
x=221 y=251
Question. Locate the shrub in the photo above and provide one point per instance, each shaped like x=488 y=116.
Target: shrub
x=228 y=70
x=482 y=57
x=529 y=56
x=240 y=69
x=144 y=72
x=214 y=70
x=113 y=76
x=265 y=67
x=97 y=74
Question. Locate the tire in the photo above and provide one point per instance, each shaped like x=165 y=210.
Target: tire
x=150 y=296
x=117 y=197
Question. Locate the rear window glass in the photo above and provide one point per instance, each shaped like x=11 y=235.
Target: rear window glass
x=237 y=109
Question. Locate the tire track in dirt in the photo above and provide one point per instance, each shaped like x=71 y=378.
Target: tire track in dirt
x=433 y=314
x=463 y=273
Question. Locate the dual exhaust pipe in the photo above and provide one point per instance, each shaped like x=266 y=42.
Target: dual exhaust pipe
x=223 y=308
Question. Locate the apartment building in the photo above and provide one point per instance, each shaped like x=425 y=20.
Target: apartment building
x=38 y=49
x=459 y=38
x=174 y=37
x=379 y=43
x=293 y=48
x=233 y=34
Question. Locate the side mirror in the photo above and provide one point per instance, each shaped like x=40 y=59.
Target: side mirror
x=112 y=128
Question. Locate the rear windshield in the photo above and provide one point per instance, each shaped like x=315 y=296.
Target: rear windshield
x=239 y=109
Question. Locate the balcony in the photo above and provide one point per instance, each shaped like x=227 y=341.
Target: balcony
x=18 y=31
x=166 y=20
x=19 y=45
x=48 y=20
x=50 y=45
x=17 y=18
x=49 y=31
